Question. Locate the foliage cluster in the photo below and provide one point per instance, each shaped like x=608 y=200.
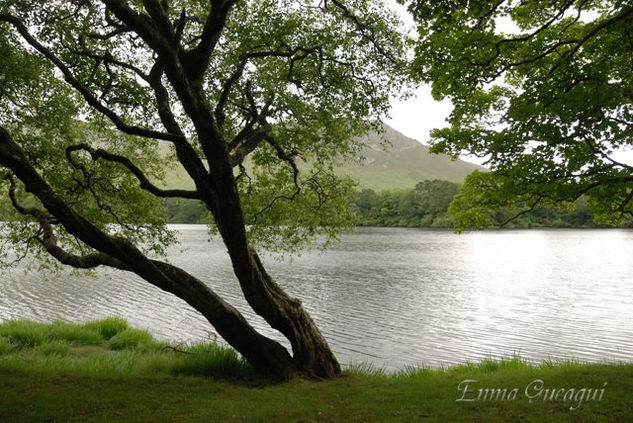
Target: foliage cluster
x=542 y=91
x=426 y=205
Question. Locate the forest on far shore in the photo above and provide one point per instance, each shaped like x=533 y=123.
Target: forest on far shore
x=424 y=206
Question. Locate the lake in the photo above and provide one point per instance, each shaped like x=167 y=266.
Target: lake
x=391 y=296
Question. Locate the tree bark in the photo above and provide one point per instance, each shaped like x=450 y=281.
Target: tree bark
x=312 y=355
x=267 y=357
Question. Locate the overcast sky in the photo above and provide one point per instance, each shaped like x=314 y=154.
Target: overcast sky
x=417 y=116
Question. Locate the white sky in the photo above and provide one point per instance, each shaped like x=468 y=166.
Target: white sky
x=418 y=115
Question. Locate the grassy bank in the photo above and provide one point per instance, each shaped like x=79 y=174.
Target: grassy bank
x=106 y=371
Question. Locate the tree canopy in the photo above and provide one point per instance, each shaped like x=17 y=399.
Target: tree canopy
x=543 y=91
x=254 y=99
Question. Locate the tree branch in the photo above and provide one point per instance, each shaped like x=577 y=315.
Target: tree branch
x=107 y=57
x=286 y=157
x=31 y=211
x=158 y=12
x=522 y=212
x=247 y=144
x=190 y=93
x=162 y=100
x=49 y=240
x=598 y=152
x=488 y=13
x=602 y=25
x=362 y=28
x=186 y=154
x=197 y=59
x=144 y=182
x=88 y=261
x=88 y=96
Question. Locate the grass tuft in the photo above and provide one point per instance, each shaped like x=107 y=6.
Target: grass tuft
x=131 y=339
x=6 y=346
x=71 y=332
x=23 y=333
x=365 y=369
x=414 y=372
x=490 y=365
x=109 y=327
x=29 y=334
x=212 y=360
x=56 y=348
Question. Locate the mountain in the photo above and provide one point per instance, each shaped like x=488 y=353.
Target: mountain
x=401 y=162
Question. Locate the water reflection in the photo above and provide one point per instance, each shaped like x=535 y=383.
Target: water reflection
x=395 y=297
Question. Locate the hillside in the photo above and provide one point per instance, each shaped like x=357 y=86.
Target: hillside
x=401 y=163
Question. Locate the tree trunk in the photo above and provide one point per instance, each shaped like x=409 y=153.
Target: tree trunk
x=312 y=355
x=266 y=356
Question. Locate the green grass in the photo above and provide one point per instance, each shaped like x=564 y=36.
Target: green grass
x=107 y=328
x=68 y=372
x=109 y=349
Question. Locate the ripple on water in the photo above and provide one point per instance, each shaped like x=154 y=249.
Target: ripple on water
x=394 y=297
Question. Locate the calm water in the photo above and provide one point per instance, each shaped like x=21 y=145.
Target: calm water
x=394 y=297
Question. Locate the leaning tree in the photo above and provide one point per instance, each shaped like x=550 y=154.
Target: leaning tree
x=254 y=100
x=543 y=90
